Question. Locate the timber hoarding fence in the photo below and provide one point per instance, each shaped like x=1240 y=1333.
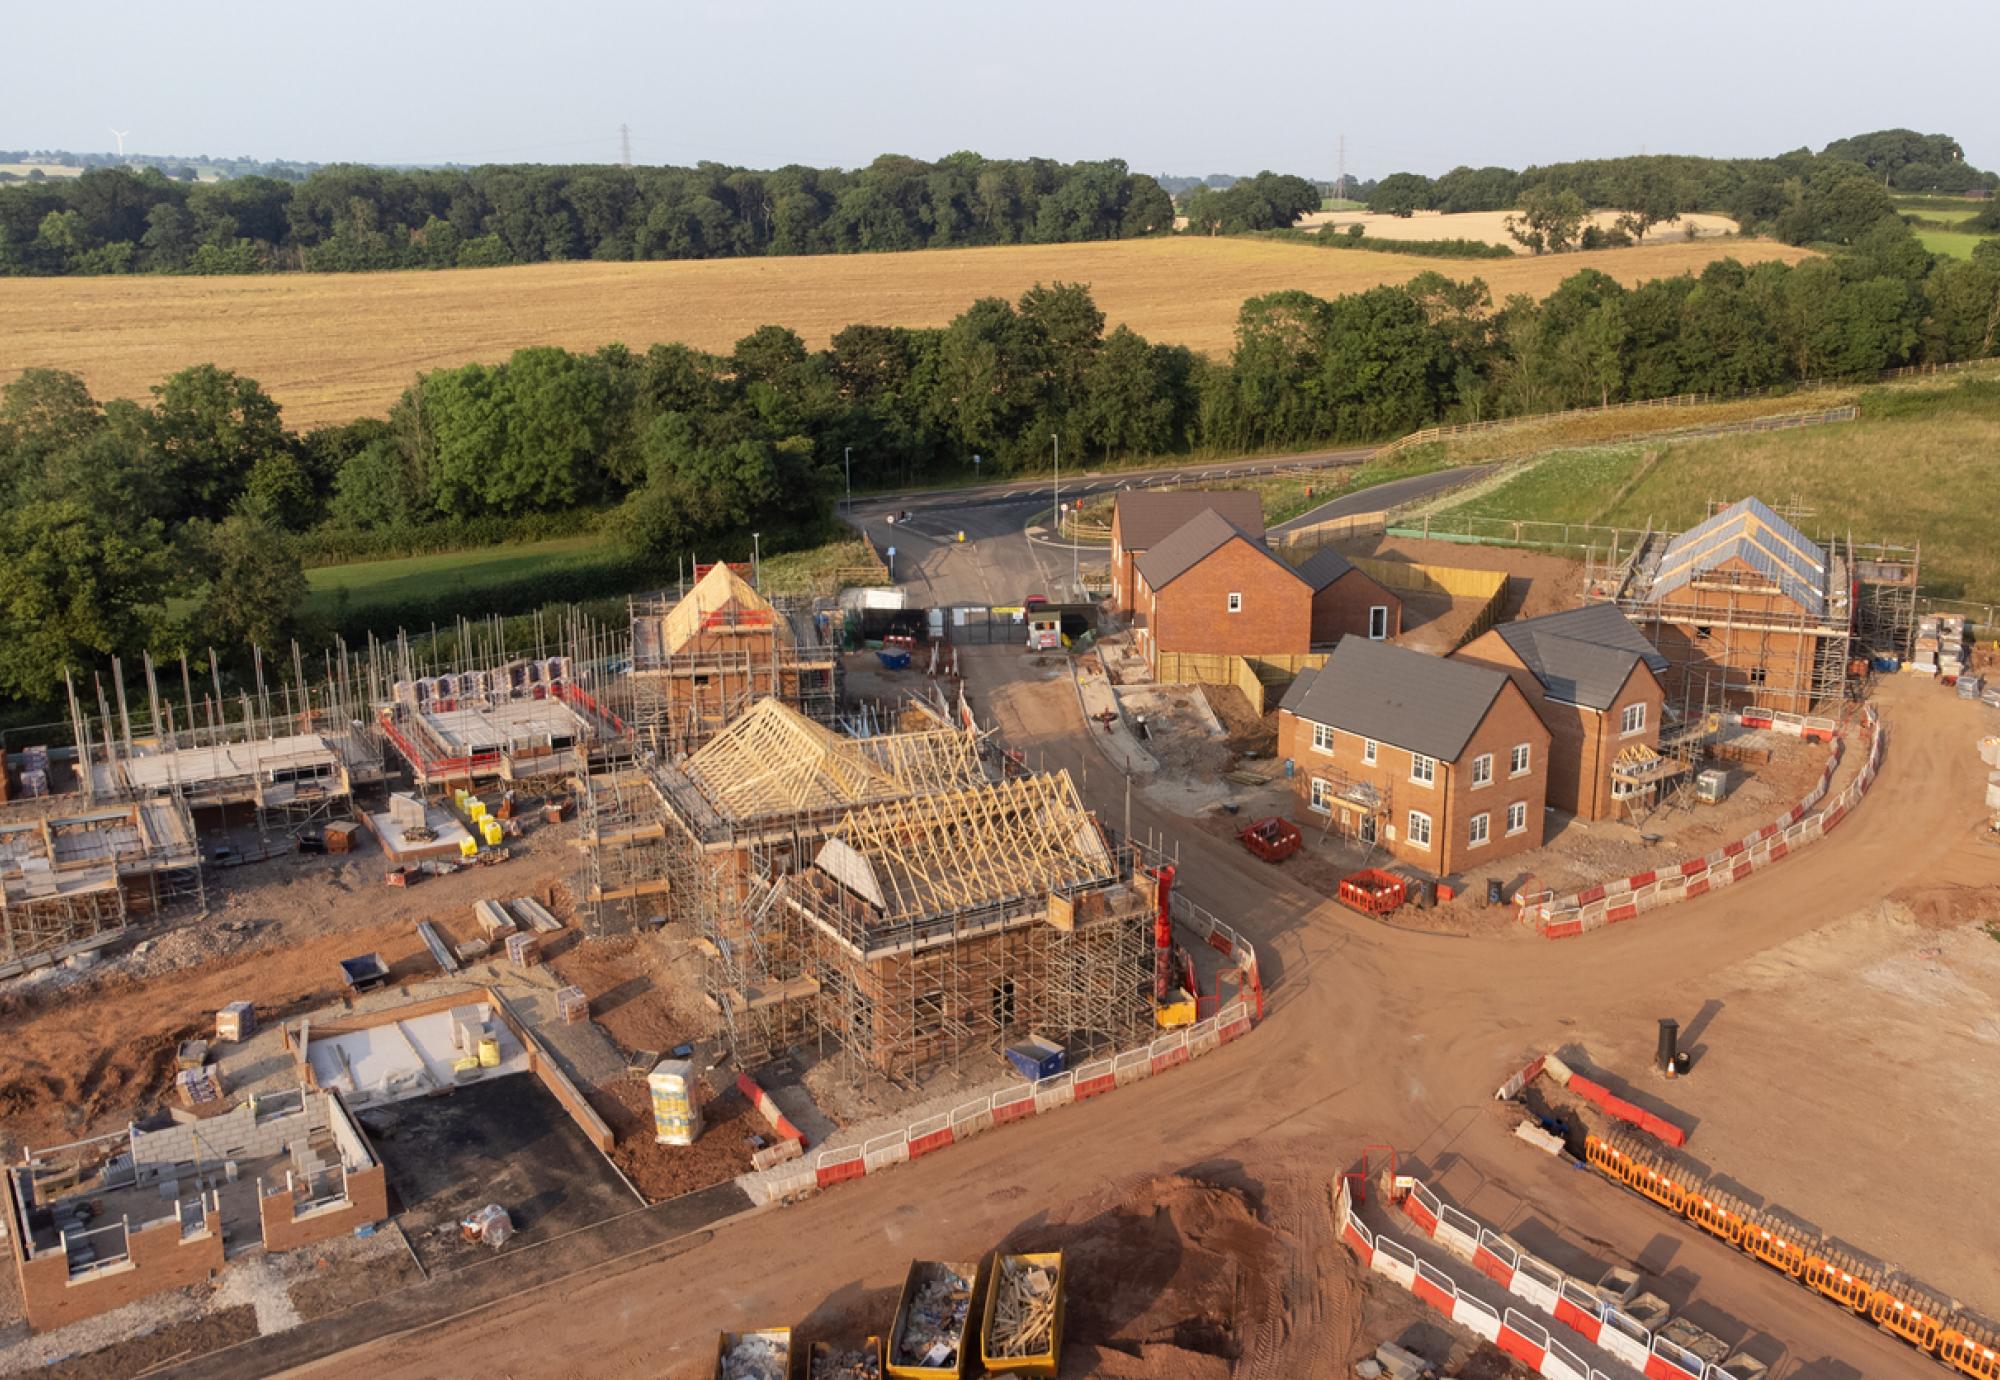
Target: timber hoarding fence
x=1623 y=898
x=1238 y=1013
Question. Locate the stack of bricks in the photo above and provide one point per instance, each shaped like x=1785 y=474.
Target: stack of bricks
x=522 y=951
x=572 y=1006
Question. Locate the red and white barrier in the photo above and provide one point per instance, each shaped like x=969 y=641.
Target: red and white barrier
x=934 y=1133
x=1556 y=1314
x=1625 y=898
x=762 y=1101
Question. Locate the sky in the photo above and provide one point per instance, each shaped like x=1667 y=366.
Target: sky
x=1188 y=87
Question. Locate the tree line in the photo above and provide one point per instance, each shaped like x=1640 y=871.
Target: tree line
x=186 y=518
x=1798 y=197
x=353 y=217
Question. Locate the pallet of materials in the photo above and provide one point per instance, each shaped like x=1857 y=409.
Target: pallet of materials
x=676 y=1102
x=534 y=915
x=1021 y=1331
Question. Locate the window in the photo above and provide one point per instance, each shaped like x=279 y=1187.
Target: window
x=1756 y=675
x=1378 y=622
x=1518 y=765
x=1633 y=720
x=1420 y=829
x=1477 y=831
x=1236 y=603
x=1323 y=738
x=1003 y=1002
x=1482 y=770
x=930 y=1011
x=1517 y=817
x=1322 y=796
x=1423 y=770
x=1368 y=751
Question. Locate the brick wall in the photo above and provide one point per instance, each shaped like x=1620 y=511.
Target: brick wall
x=1342 y=608
x=157 y=1260
x=1450 y=801
x=1192 y=613
x=1121 y=569
x=1739 y=666
x=367 y=1201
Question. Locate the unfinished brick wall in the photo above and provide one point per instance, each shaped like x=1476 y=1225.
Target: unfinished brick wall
x=158 y=1260
x=283 y=1230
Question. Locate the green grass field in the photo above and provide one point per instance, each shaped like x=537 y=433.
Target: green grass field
x=410 y=578
x=1914 y=470
x=1947 y=209
x=1956 y=244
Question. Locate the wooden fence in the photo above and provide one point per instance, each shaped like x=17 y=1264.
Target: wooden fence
x=1257 y=677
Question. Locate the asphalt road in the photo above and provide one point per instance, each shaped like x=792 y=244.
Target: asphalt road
x=999 y=562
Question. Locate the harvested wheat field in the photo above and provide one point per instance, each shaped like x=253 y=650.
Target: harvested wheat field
x=1491 y=227
x=330 y=347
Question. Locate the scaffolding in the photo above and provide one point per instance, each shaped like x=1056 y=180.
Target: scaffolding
x=294 y=752
x=66 y=879
x=675 y=839
x=705 y=654
x=1748 y=611
x=957 y=923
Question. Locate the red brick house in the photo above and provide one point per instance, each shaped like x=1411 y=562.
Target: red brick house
x=1213 y=587
x=1442 y=763
x=1142 y=519
x=1348 y=602
x=1595 y=680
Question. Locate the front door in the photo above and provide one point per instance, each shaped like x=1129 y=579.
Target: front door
x=1367 y=828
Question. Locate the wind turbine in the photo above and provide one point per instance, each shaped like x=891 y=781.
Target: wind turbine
x=119 y=135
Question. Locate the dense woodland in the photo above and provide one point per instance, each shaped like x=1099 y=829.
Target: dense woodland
x=186 y=517
x=352 y=217
x=1799 y=197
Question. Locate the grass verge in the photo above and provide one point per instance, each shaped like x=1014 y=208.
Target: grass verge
x=1915 y=470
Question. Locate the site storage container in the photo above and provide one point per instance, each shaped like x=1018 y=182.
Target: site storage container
x=1035 y=1058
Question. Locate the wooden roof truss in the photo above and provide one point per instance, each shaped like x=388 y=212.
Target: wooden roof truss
x=966 y=850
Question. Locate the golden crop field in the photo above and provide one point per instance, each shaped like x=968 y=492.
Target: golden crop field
x=331 y=347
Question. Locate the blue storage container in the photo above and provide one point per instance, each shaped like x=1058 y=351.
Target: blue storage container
x=1888 y=663
x=1035 y=1059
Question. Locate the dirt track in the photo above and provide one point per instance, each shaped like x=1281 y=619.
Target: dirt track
x=1373 y=1035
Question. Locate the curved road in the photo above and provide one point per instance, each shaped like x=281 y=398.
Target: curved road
x=1373 y=1034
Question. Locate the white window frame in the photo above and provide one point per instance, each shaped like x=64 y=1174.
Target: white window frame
x=1368 y=751
x=1626 y=728
x=1323 y=738
x=1428 y=775
x=1319 y=797
x=1479 y=830
x=1418 y=834
x=1522 y=761
x=1517 y=810
x=1235 y=602
x=1378 y=622
x=1482 y=770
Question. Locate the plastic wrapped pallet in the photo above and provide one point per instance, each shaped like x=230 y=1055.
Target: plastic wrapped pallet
x=676 y=1102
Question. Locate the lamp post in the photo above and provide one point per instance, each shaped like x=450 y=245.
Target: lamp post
x=757 y=560
x=975 y=469
x=847 y=459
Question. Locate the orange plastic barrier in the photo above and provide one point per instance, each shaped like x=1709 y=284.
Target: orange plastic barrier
x=1968 y=1355
x=1715 y=1219
x=1914 y=1324
x=1780 y=1250
x=1843 y=1287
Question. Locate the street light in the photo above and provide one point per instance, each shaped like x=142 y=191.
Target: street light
x=756 y=559
x=975 y=469
x=847 y=458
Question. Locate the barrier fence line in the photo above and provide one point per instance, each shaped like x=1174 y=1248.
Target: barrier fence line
x=1623 y=898
x=1551 y=1305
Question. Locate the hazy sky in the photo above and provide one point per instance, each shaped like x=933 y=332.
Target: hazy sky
x=1169 y=86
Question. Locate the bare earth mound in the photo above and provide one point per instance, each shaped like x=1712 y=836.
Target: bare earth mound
x=331 y=347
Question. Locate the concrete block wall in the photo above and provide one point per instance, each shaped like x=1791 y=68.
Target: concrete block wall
x=236 y=1134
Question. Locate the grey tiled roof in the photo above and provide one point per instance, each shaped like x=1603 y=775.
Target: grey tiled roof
x=1582 y=655
x=1324 y=567
x=1419 y=703
x=1147 y=517
x=1193 y=543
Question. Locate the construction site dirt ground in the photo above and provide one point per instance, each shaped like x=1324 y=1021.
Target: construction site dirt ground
x=1375 y=1034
